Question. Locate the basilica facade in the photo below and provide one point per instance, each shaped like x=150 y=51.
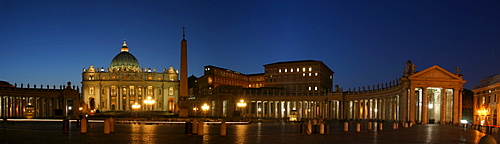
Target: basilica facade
x=125 y=84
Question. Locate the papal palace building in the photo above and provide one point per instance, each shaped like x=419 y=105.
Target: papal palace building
x=486 y=101
x=304 y=88
x=124 y=84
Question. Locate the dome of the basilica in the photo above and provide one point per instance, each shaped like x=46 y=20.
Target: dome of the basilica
x=124 y=60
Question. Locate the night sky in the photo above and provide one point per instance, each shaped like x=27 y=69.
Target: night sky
x=363 y=42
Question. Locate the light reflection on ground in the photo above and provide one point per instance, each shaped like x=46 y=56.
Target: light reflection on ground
x=51 y=132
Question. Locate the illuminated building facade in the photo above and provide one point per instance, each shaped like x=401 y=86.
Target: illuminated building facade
x=433 y=95
x=307 y=76
x=486 y=101
x=216 y=76
x=124 y=83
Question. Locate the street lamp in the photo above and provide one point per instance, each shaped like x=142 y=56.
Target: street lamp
x=205 y=108
x=136 y=107
x=149 y=101
x=242 y=104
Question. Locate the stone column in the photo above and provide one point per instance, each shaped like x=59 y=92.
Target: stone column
x=388 y=108
x=412 y=105
x=119 y=99
x=424 y=105
x=456 y=107
x=128 y=99
x=443 y=105
x=460 y=105
x=404 y=105
x=108 y=99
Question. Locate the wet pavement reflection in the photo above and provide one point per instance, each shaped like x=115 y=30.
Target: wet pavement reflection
x=51 y=132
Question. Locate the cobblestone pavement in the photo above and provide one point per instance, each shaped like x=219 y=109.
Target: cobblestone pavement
x=51 y=132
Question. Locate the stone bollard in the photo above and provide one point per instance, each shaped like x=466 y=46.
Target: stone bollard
x=83 y=125
x=65 y=124
x=111 y=124
x=309 y=128
x=223 y=128
x=358 y=127
x=369 y=125
x=107 y=126
x=195 y=126
x=188 y=127
x=380 y=125
x=346 y=126
x=200 y=127
x=321 y=128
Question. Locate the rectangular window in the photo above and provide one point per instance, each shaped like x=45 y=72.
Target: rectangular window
x=113 y=90
x=124 y=92
x=132 y=90
x=150 y=91
x=171 y=91
x=91 y=90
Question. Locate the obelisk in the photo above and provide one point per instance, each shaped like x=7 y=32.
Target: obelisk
x=183 y=104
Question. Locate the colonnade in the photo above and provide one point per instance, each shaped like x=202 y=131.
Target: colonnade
x=386 y=108
x=302 y=109
x=39 y=103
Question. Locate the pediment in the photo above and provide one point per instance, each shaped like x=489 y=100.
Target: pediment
x=435 y=72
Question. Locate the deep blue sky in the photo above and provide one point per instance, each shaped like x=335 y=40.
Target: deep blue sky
x=364 y=42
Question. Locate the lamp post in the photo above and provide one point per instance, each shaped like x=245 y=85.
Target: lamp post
x=149 y=101
x=136 y=107
x=205 y=108
x=242 y=104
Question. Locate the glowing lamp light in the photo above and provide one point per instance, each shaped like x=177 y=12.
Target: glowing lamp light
x=241 y=103
x=205 y=107
x=149 y=101
x=136 y=106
